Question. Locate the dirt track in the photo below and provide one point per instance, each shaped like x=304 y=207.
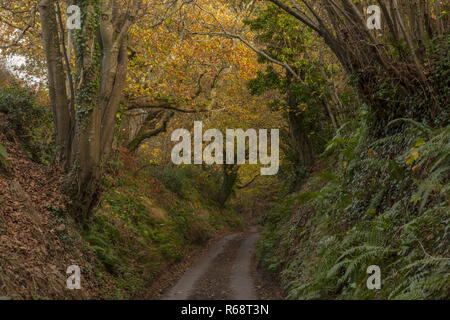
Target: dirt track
x=226 y=271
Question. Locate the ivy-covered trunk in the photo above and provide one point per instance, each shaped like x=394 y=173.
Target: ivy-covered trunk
x=230 y=177
x=96 y=85
x=300 y=141
x=304 y=156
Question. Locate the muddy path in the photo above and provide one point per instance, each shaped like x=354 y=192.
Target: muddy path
x=227 y=271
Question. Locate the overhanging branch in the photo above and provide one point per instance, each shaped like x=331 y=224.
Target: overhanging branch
x=151 y=103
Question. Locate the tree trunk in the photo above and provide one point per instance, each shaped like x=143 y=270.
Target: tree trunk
x=56 y=80
x=101 y=62
x=300 y=141
x=298 y=133
x=230 y=176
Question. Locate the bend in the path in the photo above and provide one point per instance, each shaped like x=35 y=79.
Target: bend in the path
x=242 y=282
x=185 y=286
x=215 y=282
x=226 y=272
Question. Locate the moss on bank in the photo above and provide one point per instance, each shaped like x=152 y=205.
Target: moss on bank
x=149 y=218
x=384 y=204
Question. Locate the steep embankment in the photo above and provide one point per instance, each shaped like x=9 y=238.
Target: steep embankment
x=150 y=219
x=382 y=199
x=37 y=241
x=384 y=204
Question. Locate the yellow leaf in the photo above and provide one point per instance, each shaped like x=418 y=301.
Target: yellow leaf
x=412 y=157
x=420 y=142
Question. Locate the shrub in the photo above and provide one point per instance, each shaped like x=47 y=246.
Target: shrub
x=386 y=206
x=31 y=122
x=174 y=179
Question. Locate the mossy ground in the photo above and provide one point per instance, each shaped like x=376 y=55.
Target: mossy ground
x=148 y=219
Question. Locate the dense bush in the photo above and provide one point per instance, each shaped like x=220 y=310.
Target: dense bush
x=174 y=179
x=189 y=182
x=377 y=209
x=31 y=122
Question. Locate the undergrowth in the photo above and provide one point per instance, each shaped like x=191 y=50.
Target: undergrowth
x=149 y=218
x=29 y=121
x=387 y=204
